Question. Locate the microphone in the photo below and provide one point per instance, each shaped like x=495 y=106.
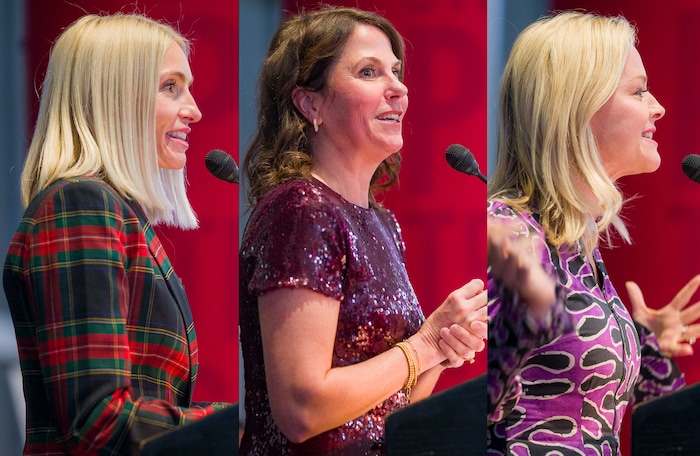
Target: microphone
x=691 y=167
x=461 y=159
x=222 y=166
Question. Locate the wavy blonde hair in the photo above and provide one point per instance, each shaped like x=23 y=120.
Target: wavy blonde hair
x=560 y=72
x=97 y=114
x=300 y=54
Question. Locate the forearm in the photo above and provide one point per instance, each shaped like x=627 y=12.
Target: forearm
x=304 y=407
x=426 y=383
x=307 y=394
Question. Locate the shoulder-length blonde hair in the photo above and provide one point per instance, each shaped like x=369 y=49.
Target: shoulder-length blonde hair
x=97 y=114
x=300 y=54
x=560 y=72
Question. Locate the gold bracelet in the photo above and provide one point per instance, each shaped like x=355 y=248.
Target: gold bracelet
x=418 y=365
x=412 y=379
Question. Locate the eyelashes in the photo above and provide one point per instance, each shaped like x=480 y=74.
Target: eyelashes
x=168 y=86
x=371 y=71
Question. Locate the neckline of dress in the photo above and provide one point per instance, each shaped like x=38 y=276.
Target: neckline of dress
x=341 y=197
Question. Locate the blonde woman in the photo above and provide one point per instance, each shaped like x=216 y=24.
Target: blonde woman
x=104 y=330
x=576 y=114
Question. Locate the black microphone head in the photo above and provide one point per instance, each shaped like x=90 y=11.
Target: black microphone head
x=461 y=159
x=221 y=165
x=691 y=167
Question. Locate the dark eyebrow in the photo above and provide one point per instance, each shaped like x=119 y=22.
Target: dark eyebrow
x=376 y=60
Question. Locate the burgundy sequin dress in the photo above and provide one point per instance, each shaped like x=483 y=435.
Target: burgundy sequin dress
x=304 y=235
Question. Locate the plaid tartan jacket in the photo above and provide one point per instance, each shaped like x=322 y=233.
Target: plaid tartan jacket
x=104 y=331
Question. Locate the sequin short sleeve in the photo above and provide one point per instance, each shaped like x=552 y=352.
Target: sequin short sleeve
x=299 y=243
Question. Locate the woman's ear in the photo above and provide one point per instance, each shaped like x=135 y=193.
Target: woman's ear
x=305 y=101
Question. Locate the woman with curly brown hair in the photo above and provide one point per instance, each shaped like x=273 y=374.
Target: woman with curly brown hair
x=332 y=334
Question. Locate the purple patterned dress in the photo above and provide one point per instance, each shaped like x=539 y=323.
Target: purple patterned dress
x=304 y=235
x=563 y=388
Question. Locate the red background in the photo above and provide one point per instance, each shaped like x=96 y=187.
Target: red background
x=205 y=259
x=442 y=212
x=664 y=221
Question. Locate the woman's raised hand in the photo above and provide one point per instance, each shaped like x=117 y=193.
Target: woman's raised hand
x=673 y=324
x=516 y=264
x=456 y=330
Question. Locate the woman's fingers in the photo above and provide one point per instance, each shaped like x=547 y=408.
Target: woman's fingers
x=636 y=299
x=480 y=328
x=466 y=313
x=691 y=314
x=470 y=296
x=459 y=344
x=683 y=296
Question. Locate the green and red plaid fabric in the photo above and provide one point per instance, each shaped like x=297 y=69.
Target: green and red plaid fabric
x=105 y=336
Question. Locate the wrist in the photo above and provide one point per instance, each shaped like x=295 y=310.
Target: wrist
x=427 y=349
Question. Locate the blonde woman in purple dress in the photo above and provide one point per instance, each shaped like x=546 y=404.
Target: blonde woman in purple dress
x=566 y=359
